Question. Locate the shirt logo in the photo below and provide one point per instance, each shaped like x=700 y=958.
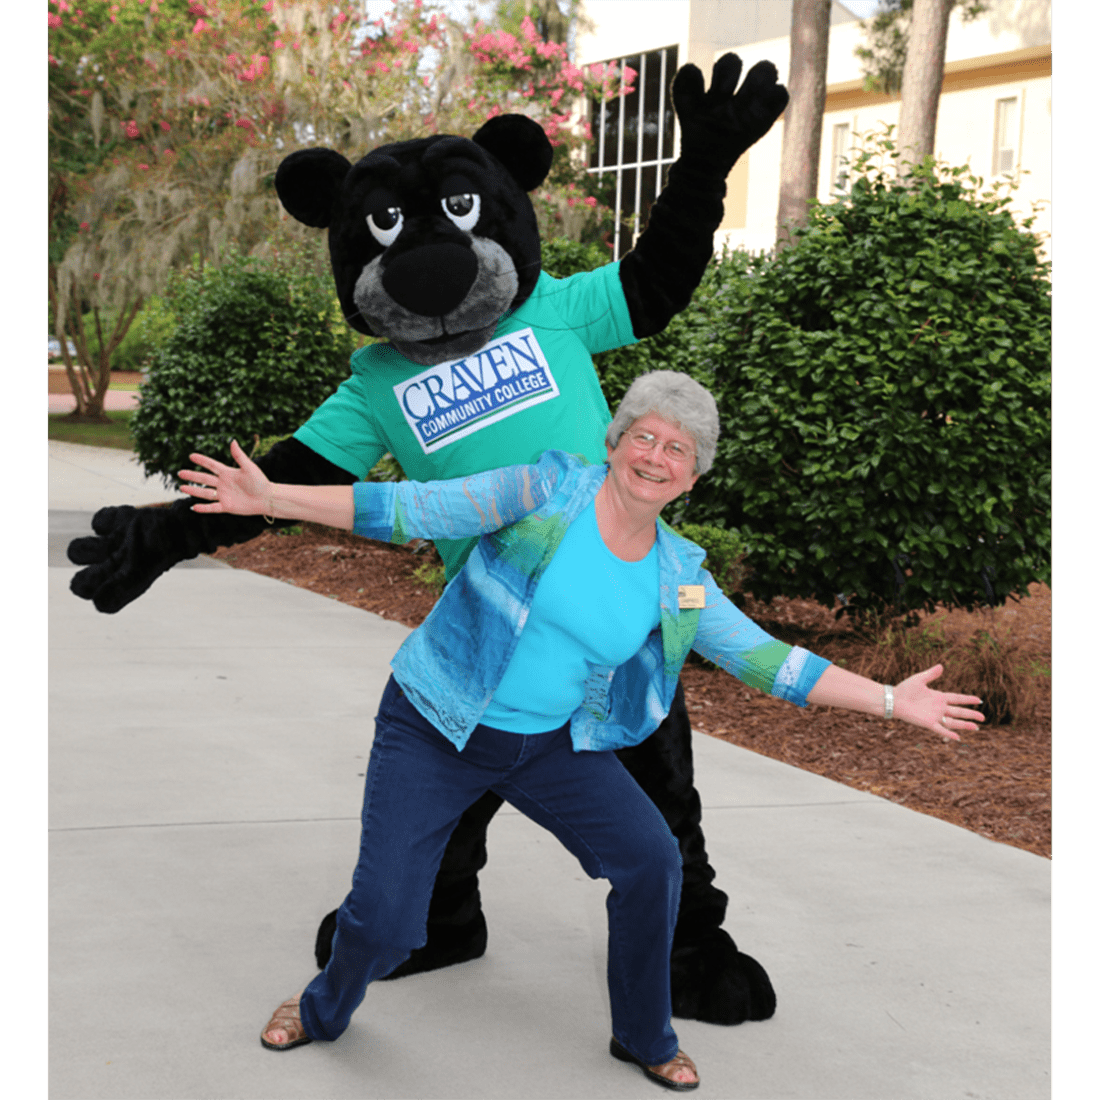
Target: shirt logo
x=452 y=400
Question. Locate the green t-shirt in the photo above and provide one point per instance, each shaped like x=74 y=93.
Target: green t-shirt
x=532 y=387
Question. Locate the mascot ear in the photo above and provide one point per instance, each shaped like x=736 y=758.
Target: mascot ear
x=308 y=184
x=521 y=145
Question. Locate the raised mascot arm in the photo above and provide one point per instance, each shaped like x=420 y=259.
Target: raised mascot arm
x=661 y=273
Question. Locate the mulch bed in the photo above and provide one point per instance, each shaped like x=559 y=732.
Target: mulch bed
x=996 y=782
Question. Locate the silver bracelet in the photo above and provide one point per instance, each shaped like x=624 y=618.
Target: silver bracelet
x=888 y=701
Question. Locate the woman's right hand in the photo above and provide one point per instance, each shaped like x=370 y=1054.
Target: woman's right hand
x=242 y=490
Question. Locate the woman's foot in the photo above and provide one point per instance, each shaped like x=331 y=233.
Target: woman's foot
x=678 y=1073
x=284 y=1030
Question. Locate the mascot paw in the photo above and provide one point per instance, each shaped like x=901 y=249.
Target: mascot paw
x=446 y=946
x=714 y=982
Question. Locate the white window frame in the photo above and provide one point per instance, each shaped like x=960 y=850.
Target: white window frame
x=665 y=156
x=1016 y=96
x=835 y=169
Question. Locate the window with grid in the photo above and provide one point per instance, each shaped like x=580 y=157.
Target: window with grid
x=839 y=172
x=1007 y=135
x=633 y=141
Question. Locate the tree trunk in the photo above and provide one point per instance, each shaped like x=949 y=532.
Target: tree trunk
x=802 y=118
x=922 y=80
x=90 y=376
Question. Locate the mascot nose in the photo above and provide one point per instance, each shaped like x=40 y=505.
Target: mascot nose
x=431 y=280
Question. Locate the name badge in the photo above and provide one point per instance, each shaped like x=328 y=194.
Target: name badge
x=692 y=597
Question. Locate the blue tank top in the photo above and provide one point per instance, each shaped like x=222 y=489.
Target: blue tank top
x=590 y=608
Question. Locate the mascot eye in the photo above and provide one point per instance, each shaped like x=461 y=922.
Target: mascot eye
x=463 y=210
x=385 y=225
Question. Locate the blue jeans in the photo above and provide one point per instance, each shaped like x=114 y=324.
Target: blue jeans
x=418 y=786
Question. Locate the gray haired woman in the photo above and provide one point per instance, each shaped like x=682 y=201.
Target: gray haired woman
x=561 y=639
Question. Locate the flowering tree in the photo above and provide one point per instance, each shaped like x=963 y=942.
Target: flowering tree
x=169 y=117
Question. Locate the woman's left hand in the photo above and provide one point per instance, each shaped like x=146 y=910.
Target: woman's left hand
x=941 y=712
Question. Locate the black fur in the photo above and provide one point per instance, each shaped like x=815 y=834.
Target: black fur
x=437 y=289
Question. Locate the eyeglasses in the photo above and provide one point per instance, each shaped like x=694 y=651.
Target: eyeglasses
x=644 y=441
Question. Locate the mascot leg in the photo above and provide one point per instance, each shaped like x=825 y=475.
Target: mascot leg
x=711 y=980
x=456 y=925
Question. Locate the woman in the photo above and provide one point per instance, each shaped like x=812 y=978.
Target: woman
x=562 y=638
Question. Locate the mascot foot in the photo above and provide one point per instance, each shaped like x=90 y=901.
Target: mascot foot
x=714 y=982
x=447 y=945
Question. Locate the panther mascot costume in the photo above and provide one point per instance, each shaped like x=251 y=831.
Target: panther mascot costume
x=487 y=362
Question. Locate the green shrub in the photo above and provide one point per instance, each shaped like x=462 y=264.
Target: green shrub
x=150 y=331
x=687 y=344
x=884 y=387
x=725 y=557
x=258 y=345
x=884 y=390
x=147 y=332
x=562 y=257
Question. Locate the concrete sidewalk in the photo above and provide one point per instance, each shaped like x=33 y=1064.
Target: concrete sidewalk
x=207 y=750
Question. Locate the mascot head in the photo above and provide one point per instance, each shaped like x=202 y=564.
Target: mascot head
x=433 y=240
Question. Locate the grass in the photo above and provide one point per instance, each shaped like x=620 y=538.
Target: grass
x=114 y=434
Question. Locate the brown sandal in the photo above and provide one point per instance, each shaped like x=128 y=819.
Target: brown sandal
x=288 y=1017
x=660 y=1073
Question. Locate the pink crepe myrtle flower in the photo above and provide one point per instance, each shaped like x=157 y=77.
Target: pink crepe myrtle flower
x=200 y=26
x=144 y=167
x=256 y=68
x=195 y=8
x=131 y=129
x=164 y=126
x=83 y=226
x=54 y=21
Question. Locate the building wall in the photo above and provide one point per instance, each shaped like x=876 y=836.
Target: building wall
x=1005 y=53
x=634 y=26
x=701 y=29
